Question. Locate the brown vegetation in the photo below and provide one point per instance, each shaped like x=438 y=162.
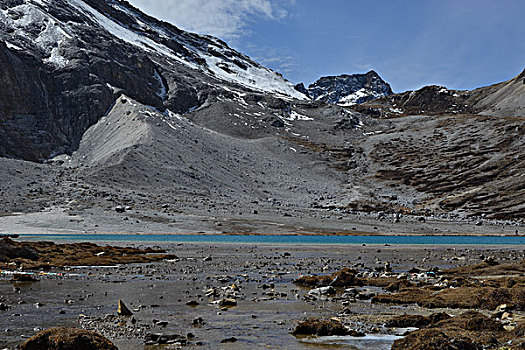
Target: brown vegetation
x=343 y=278
x=480 y=286
x=419 y=321
x=470 y=330
x=31 y=255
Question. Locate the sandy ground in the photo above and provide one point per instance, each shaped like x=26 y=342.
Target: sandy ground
x=305 y=221
x=269 y=305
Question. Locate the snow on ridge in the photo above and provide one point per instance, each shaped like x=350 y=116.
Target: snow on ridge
x=352 y=99
x=52 y=36
x=297 y=116
x=258 y=78
x=127 y=34
x=254 y=77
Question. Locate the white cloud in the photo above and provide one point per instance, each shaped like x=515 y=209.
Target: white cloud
x=223 y=18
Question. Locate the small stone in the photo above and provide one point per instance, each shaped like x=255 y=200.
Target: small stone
x=120 y=209
x=161 y=323
x=229 y=340
x=227 y=302
x=197 y=322
x=192 y=303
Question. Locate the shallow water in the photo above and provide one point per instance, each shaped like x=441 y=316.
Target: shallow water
x=284 y=239
x=371 y=341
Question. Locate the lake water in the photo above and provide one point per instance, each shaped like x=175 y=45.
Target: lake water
x=282 y=239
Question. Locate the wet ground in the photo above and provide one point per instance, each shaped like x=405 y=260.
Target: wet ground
x=268 y=306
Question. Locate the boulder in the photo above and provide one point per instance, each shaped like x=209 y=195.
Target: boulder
x=66 y=338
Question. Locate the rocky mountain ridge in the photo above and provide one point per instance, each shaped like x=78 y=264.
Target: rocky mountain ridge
x=506 y=99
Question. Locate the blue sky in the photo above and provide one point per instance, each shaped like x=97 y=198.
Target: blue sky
x=462 y=44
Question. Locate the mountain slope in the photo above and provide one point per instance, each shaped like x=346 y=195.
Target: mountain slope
x=75 y=57
x=505 y=99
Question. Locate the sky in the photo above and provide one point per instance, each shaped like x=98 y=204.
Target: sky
x=460 y=44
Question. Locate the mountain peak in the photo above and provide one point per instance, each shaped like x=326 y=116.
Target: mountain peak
x=350 y=89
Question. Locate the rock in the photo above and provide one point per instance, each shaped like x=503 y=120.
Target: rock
x=501 y=308
x=229 y=340
x=320 y=327
x=123 y=309
x=388 y=268
x=471 y=330
x=160 y=339
x=160 y=323
x=4 y=307
x=322 y=291
x=65 y=338
x=277 y=123
x=227 y=302
x=120 y=209
x=192 y=303
x=197 y=322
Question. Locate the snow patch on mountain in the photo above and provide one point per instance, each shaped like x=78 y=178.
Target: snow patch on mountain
x=126 y=34
x=32 y=23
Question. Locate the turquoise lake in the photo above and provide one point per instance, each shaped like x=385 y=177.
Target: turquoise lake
x=282 y=239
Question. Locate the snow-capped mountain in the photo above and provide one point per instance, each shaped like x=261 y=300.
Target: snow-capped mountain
x=64 y=62
x=37 y=22
x=348 y=90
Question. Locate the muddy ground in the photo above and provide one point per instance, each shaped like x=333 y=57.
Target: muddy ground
x=176 y=297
